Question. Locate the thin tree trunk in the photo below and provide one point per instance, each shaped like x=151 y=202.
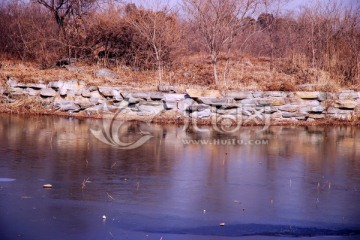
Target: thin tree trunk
x=214 y=63
x=160 y=72
x=271 y=48
x=357 y=68
x=159 y=64
x=312 y=46
x=227 y=63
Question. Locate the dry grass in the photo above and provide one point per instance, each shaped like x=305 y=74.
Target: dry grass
x=193 y=71
x=26 y=105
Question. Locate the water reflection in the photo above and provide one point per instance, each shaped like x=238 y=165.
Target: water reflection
x=300 y=176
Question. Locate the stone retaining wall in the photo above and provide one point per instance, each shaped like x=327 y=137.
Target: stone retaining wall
x=76 y=97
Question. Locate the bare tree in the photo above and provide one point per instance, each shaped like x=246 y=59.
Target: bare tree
x=62 y=11
x=63 y=8
x=59 y=8
x=219 y=21
x=160 y=29
x=269 y=21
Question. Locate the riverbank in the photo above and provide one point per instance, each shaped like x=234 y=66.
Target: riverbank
x=195 y=106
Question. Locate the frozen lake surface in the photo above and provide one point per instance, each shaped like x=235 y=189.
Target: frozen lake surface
x=280 y=183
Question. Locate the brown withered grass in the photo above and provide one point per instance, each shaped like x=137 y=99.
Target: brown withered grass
x=194 y=71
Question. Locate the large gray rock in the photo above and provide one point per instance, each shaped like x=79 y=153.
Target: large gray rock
x=346 y=104
x=317 y=116
x=32 y=92
x=152 y=103
x=164 y=88
x=17 y=91
x=111 y=108
x=296 y=115
x=310 y=103
x=86 y=93
x=305 y=108
x=170 y=105
x=341 y=116
x=72 y=84
x=275 y=94
x=143 y=95
x=219 y=102
x=68 y=85
x=63 y=91
x=84 y=103
x=36 y=86
x=72 y=93
x=271 y=101
x=171 y=100
x=96 y=95
x=201 y=114
x=307 y=95
x=66 y=105
x=48 y=92
x=304 y=117
x=239 y=95
x=104 y=72
x=72 y=68
x=248 y=102
x=232 y=111
x=262 y=102
x=197 y=93
x=289 y=108
x=173 y=97
x=316 y=109
x=150 y=108
x=247 y=111
x=107 y=91
x=334 y=110
x=94 y=110
x=156 y=96
x=277 y=101
x=348 y=95
x=258 y=94
x=117 y=96
x=93 y=88
x=125 y=94
x=135 y=96
x=56 y=84
x=197 y=107
x=252 y=111
x=184 y=104
x=357 y=110
x=324 y=96
x=21 y=85
x=133 y=100
x=332 y=96
x=276 y=116
x=294 y=100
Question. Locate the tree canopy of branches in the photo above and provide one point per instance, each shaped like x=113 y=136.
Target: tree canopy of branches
x=61 y=9
x=219 y=21
x=323 y=36
x=159 y=29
